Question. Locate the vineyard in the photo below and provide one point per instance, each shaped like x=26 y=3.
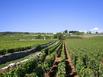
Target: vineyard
x=74 y=57
x=87 y=56
x=51 y=38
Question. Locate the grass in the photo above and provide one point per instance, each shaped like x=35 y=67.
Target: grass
x=93 y=42
x=17 y=41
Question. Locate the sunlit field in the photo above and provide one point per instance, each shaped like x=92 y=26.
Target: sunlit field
x=87 y=55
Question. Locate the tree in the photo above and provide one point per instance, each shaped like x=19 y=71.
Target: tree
x=76 y=32
x=59 y=36
x=39 y=36
x=89 y=32
x=66 y=31
x=96 y=32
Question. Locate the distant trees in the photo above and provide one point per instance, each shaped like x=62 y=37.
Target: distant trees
x=66 y=31
x=39 y=36
x=73 y=32
x=76 y=32
x=59 y=36
x=44 y=37
x=89 y=32
x=96 y=32
x=66 y=34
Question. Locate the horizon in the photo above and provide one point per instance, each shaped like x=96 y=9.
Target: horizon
x=51 y=15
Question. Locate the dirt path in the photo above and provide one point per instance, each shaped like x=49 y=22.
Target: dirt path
x=54 y=68
x=52 y=72
x=70 y=69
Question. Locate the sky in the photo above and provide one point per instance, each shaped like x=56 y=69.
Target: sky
x=51 y=15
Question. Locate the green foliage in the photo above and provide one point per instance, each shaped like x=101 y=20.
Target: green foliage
x=19 y=40
x=61 y=69
x=13 y=43
x=39 y=36
x=36 y=66
x=4 y=51
x=59 y=36
x=87 y=54
x=31 y=75
x=76 y=32
x=66 y=31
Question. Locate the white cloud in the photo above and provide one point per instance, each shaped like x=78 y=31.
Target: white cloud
x=95 y=29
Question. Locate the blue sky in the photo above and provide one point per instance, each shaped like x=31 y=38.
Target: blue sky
x=51 y=15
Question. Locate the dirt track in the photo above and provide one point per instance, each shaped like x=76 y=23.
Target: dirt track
x=69 y=67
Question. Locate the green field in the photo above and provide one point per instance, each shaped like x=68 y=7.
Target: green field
x=10 y=43
x=17 y=41
x=35 y=65
x=87 y=55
